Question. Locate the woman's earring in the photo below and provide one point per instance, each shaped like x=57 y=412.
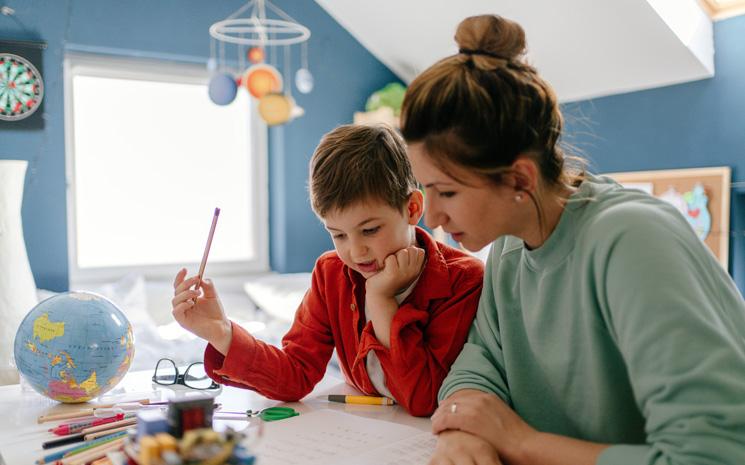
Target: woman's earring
x=518 y=198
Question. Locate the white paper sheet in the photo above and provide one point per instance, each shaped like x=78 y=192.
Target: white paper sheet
x=329 y=437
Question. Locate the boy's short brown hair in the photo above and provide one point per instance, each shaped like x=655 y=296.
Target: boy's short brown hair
x=356 y=163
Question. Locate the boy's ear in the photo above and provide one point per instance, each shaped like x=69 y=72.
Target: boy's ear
x=415 y=207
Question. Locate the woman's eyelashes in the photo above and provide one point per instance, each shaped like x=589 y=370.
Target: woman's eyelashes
x=444 y=194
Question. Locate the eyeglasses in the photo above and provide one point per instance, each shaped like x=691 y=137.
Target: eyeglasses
x=194 y=377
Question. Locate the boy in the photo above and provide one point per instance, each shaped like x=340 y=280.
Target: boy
x=395 y=304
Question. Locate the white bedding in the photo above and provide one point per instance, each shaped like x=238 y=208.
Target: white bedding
x=279 y=295
x=147 y=305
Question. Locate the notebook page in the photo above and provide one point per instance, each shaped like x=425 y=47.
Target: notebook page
x=413 y=450
x=328 y=436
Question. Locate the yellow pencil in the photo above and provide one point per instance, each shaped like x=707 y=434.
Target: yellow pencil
x=96 y=435
x=366 y=400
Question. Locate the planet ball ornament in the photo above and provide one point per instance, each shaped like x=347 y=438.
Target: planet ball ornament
x=74 y=346
x=262 y=79
x=275 y=108
x=255 y=54
x=303 y=81
x=222 y=89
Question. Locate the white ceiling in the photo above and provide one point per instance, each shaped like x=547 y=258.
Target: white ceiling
x=584 y=48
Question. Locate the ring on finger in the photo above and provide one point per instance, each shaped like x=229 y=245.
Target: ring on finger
x=453 y=407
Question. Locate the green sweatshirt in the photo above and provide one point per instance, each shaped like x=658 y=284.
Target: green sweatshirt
x=622 y=328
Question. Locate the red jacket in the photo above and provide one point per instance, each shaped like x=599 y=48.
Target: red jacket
x=427 y=334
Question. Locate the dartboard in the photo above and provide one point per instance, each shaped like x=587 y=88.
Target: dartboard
x=21 y=87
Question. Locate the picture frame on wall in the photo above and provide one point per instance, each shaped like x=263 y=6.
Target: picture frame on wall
x=702 y=195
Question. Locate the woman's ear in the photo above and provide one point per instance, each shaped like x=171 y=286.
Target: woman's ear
x=525 y=174
x=415 y=207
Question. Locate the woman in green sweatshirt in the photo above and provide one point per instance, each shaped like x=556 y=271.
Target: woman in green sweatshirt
x=606 y=332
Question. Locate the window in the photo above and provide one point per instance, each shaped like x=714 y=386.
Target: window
x=149 y=157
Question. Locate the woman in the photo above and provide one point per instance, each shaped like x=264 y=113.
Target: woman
x=606 y=332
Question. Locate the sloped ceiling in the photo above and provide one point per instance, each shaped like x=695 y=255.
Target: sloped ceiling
x=584 y=48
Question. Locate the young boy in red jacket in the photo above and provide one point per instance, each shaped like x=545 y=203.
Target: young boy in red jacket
x=395 y=304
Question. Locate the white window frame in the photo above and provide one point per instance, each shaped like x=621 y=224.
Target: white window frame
x=137 y=68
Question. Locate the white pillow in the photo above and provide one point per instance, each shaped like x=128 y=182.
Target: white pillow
x=278 y=294
x=130 y=295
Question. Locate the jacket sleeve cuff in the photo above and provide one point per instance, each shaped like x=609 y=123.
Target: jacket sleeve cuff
x=368 y=341
x=226 y=369
x=405 y=316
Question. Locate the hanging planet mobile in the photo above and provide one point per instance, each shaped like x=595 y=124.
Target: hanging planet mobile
x=21 y=88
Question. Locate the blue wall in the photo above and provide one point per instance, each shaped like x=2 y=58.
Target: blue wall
x=689 y=125
x=345 y=74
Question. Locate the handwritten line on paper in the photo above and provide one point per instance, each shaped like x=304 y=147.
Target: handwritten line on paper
x=329 y=437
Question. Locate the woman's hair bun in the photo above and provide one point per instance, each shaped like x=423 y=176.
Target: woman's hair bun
x=491 y=35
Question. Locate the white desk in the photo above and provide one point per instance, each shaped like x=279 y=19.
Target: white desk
x=21 y=436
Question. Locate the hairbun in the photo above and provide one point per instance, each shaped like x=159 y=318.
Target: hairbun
x=490 y=35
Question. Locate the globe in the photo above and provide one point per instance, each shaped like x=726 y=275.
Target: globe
x=74 y=346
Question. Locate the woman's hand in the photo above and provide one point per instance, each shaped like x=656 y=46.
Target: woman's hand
x=489 y=418
x=201 y=312
x=459 y=448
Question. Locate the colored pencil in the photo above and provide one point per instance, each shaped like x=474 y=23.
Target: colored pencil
x=82 y=413
x=76 y=427
x=92 y=444
x=73 y=438
x=58 y=455
x=92 y=436
x=207 y=248
x=92 y=454
x=108 y=426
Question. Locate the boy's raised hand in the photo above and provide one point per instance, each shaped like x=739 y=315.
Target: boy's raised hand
x=399 y=271
x=200 y=311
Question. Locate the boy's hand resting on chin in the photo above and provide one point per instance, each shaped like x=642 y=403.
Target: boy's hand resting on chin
x=399 y=271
